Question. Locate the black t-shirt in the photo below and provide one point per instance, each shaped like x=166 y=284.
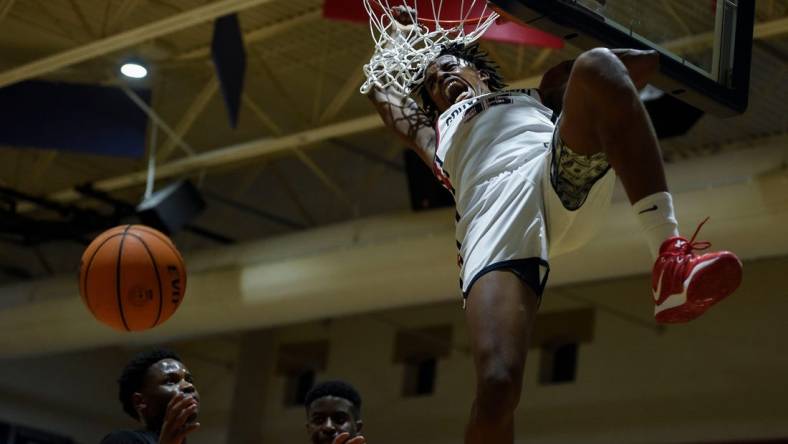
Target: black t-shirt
x=131 y=437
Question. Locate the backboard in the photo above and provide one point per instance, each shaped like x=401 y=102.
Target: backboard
x=705 y=45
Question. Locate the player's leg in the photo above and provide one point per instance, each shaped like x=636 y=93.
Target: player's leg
x=602 y=112
x=500 y=313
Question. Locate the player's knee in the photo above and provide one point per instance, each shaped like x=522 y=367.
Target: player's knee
x=604 y=78
x=499 y=388
x=600 y=66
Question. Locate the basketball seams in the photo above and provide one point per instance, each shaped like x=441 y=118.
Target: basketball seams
x=164 y=239
x=158 y=276
x=87 y=270
x=156 y=234
x=117 y=279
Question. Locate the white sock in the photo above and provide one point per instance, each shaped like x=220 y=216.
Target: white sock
x=656 y=217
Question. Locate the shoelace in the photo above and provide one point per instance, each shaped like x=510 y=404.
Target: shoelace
x=691 y=246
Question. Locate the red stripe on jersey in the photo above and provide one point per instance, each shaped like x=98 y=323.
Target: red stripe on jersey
x=437 y=168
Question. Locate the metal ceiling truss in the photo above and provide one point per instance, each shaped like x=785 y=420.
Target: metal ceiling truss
x=117 y=17
x=70 y=222
x=193 y=111
x=268 y=146
x=125 y=39
x=5 y=8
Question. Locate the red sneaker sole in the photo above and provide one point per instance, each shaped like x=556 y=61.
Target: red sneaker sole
x=704 y=291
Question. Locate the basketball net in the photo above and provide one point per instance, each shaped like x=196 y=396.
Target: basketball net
x=403 y=50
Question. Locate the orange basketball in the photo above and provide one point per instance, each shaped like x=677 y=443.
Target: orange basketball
x=132 y=278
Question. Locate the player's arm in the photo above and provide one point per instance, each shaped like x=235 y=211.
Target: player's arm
x=642 y=65
x=403 y=115
x=400 y=112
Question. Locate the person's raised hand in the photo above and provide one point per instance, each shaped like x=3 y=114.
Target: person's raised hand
x=176 y=419
x=344 y=438
x=405 y=17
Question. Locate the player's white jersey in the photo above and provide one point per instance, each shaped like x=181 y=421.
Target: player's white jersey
x=485 y=135
x=493 y=153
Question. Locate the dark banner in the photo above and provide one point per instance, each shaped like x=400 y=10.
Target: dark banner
x=72 y=117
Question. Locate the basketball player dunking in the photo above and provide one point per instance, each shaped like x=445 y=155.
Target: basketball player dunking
x=532 y=172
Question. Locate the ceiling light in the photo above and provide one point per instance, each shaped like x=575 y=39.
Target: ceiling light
x=134 y=70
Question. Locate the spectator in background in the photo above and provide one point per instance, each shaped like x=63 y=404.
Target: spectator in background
x=333 y=414
x=157 y=390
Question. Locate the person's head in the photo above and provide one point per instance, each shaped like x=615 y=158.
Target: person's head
x=459 y=72
x=150 y=381
x=332 y=407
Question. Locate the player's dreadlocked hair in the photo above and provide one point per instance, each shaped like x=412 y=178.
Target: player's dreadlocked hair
x=472 y=54
x=339 y=389
x=133 y=376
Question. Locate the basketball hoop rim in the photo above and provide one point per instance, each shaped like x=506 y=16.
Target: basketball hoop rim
x=451 y=23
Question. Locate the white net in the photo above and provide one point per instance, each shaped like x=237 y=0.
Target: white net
x=409 y=34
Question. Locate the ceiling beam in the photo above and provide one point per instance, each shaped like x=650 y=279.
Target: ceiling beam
x=252 y=175
x=194 y=111
x=5 y=8
x=119 y=15
x=241 y=153
x=261 y=115
x=325 y=179
x=83 y=20
x=318 y=83
x=52 y=20
x=291 y=192
x=157 y=119
x=268 y=146
x=302 y=156
x=125 y=39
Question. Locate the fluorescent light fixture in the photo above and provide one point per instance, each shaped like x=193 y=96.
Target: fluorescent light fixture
x=134 y=70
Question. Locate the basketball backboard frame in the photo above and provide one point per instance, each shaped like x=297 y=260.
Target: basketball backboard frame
x=723 y=92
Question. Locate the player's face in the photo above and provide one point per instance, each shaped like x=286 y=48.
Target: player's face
x=164 y=380
x=449 y=79
x=329 y=416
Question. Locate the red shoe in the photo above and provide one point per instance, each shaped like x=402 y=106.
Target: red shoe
x=685 y=285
